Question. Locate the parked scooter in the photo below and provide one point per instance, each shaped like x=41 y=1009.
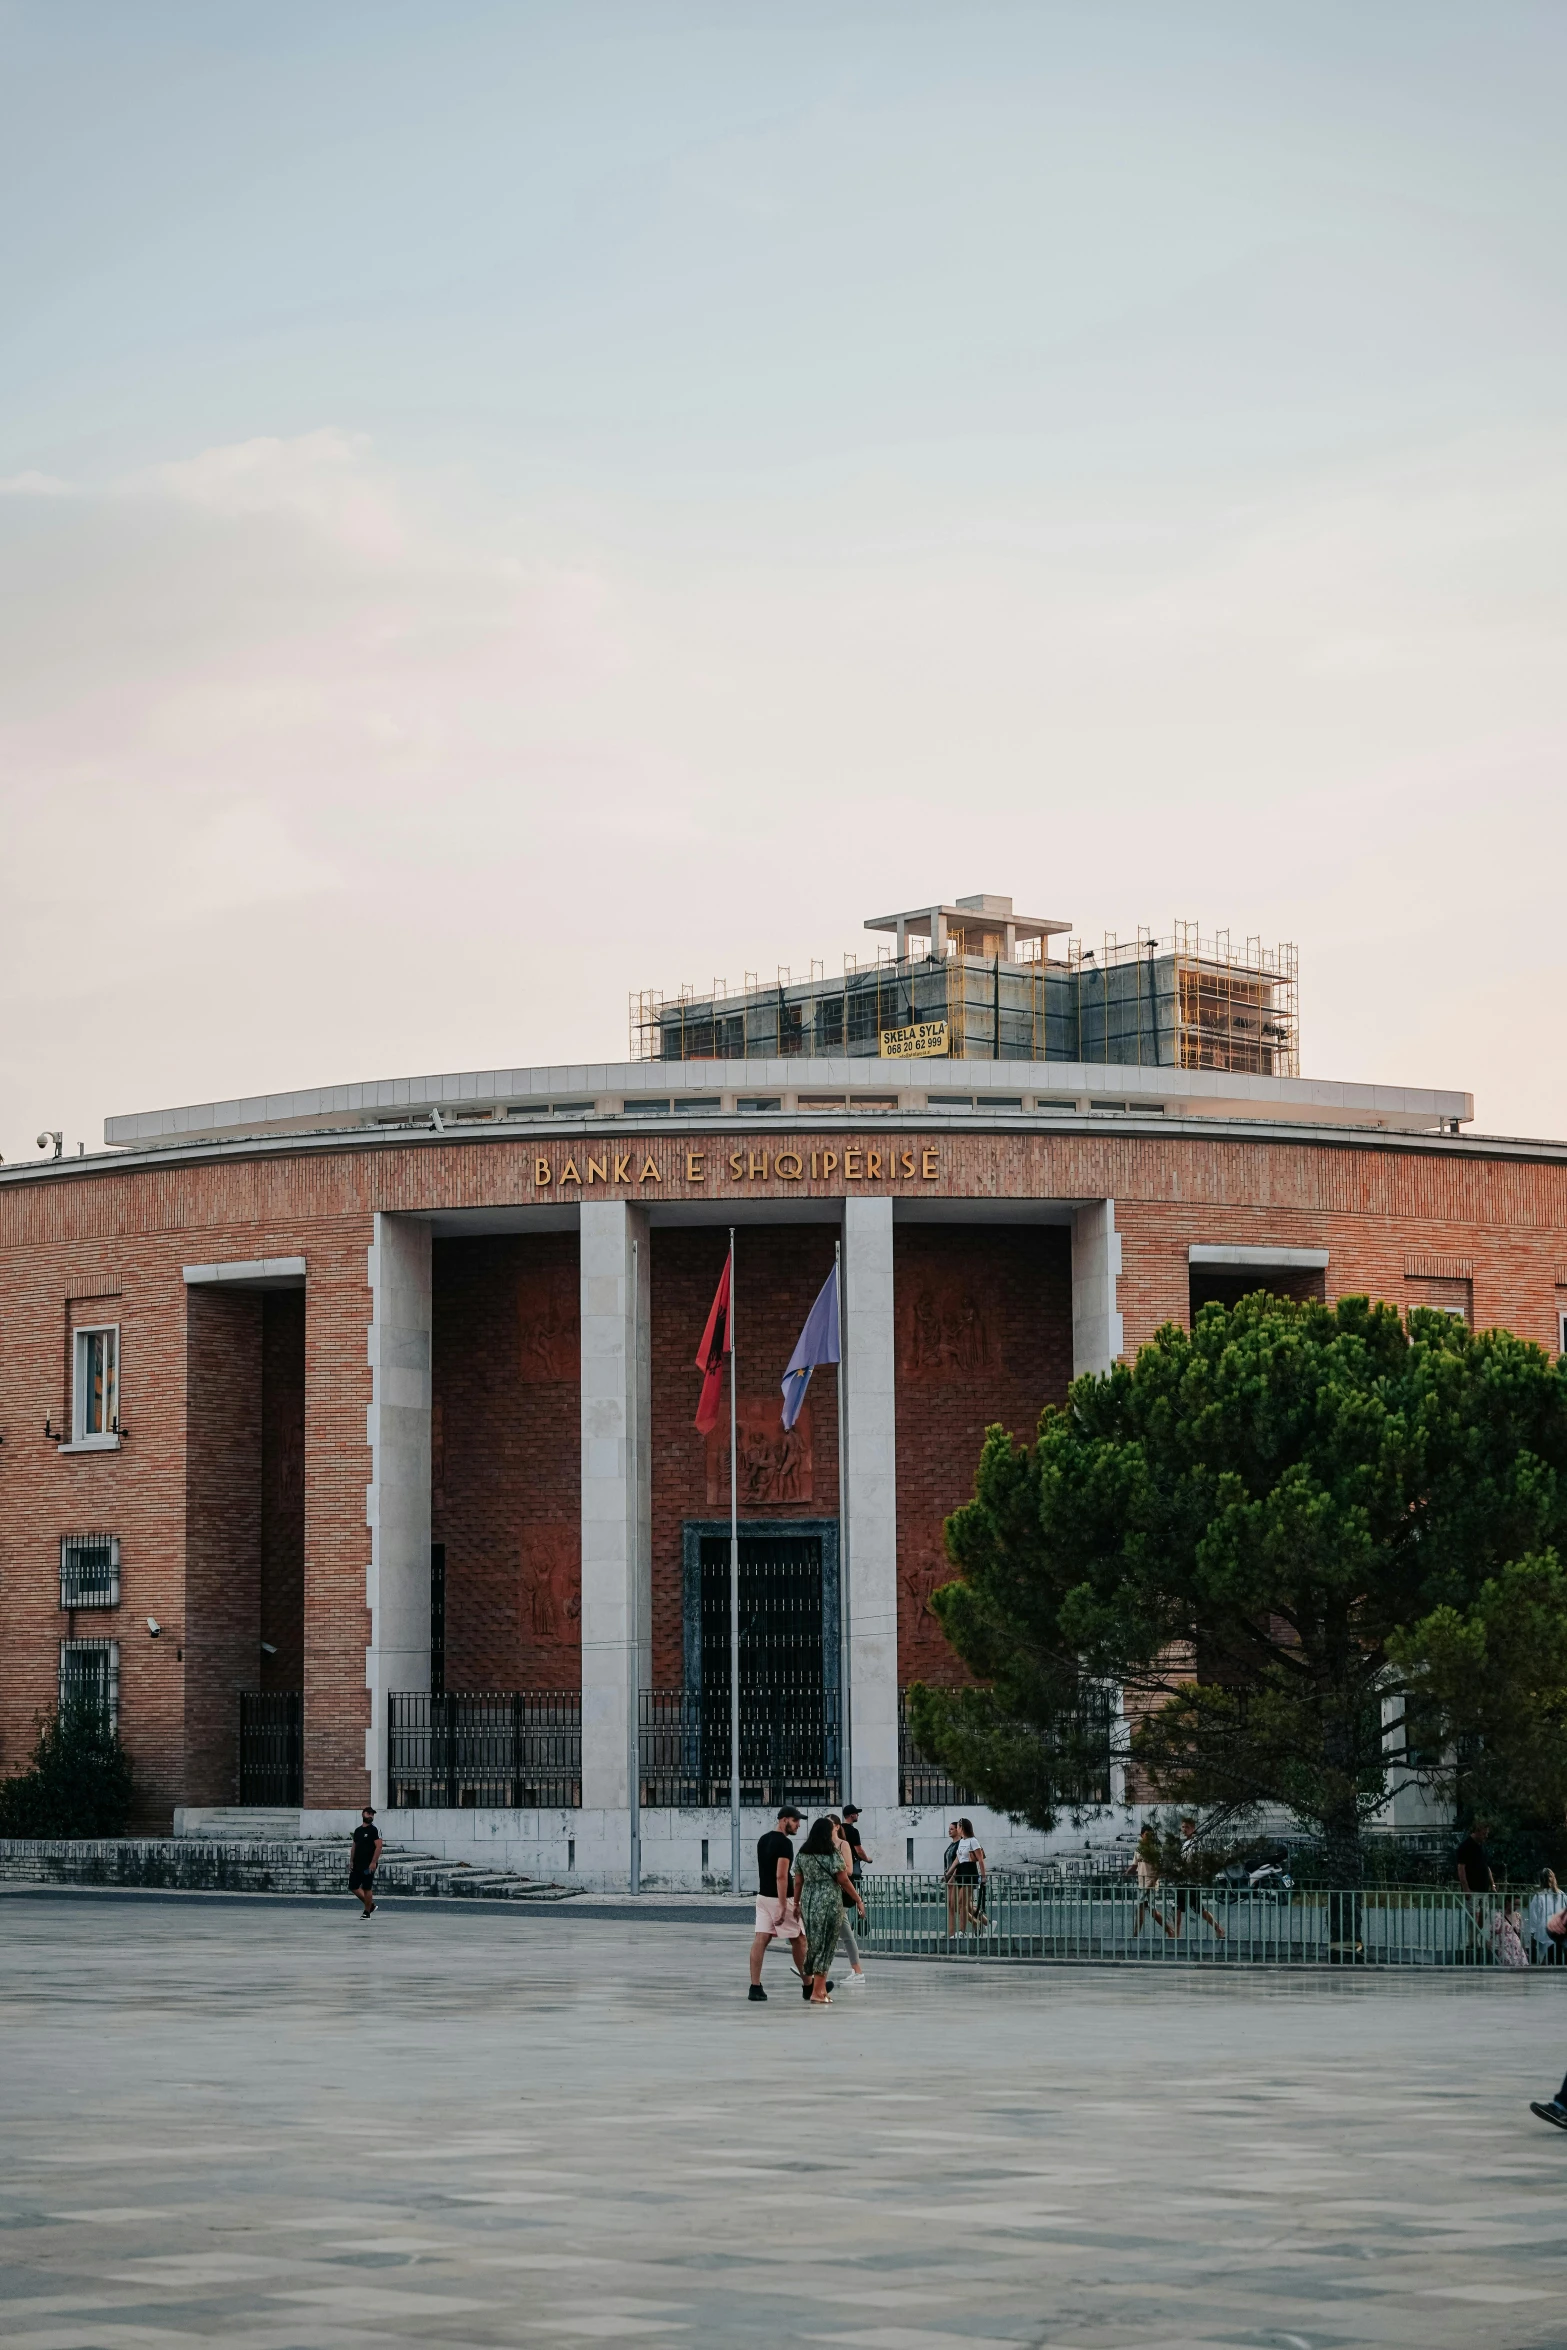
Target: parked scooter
x=1263 y=1870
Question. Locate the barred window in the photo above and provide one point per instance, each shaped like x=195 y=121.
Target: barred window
x=95 y=1410
x=90 y=1677
x=89 y=1570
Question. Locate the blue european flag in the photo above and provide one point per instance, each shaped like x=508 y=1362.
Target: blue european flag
x=817 y=1343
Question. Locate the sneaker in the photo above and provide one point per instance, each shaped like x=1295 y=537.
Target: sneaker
x=854 y=1982
x=1555 y=2112
x=756 y=1992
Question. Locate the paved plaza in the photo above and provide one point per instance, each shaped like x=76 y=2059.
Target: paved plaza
x=262 y=2123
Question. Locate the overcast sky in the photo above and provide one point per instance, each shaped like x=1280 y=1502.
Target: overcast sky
x=506 y=505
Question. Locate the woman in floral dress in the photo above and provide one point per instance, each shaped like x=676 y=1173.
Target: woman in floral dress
x=822 y=1884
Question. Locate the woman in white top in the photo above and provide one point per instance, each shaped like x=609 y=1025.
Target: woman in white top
x=1548 y=1903
x=966 y=1874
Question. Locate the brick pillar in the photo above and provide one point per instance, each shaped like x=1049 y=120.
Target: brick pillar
x=871 y=1499
x=1098 y=1336
x=617 y=1504
x=397 y=1502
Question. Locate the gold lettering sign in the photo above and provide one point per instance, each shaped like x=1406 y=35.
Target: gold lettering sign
x=925 y=1041
x=856 y=1163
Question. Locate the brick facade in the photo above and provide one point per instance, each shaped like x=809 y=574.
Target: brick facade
x=239 y=1494
x=506 y=1460
x=984 y=1335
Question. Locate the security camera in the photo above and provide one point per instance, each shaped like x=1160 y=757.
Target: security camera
x=269 y=1648
x=153 y=1626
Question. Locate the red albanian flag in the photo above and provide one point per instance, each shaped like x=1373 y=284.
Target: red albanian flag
x=717 y=1340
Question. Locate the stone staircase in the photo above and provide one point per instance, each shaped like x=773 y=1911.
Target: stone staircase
x=259 y=1863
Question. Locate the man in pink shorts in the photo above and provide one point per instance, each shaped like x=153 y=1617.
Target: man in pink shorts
x=777 y=1919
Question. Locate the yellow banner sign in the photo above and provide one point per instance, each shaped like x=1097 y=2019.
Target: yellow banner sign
x=925 y=1041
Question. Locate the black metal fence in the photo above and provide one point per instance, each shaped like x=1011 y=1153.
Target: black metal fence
x=921 y=1781
x=1085 y=1748
x=518 y=1750
x=790 y=1746
x=271 y=1746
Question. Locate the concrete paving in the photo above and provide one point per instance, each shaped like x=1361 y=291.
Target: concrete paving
x=267 y=2124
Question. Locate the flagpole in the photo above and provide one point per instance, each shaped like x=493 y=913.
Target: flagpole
x=734 y=1598
x=634 y=1657
x=845 y=1747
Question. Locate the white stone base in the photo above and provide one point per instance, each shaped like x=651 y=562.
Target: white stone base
x=590 y=1849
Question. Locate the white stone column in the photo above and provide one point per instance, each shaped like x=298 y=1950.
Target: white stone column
x=397 y=1500
x=616 y=1501
x=1097 y=1334
x=871 y=1499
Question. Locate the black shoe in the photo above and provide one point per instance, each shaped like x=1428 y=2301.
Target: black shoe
x=1555 y=2112
x=756 y=1992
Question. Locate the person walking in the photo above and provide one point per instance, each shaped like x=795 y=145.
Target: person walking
x=822 y=1884
x=1147 y=1868
x=363 y=1860
x=948 y=1862
x=846 y=1941
x=1545 y=1948
x=1473 y=1862
x=776 y=1917
x=1190 y=1894
x=968 y=1875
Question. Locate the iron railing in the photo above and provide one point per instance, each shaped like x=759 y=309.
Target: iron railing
x=271 y=1746
x=515 y=1750
x=1208 y=1925
x=1086 y=1735
x=789 y=1748
x=921 y=1781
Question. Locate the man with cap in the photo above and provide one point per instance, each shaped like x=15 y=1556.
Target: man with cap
x=362 y=1861
x=777 y=1919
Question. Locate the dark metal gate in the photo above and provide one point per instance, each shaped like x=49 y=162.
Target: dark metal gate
x=271 y=1746
x=788 y=1716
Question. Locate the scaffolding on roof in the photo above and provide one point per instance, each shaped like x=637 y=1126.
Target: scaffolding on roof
x=1184 y=1003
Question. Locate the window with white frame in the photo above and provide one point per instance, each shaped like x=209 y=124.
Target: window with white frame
x=90 y=1678
x=89 y=1570
x=95 y=1411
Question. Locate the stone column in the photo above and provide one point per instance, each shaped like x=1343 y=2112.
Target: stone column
x=616 y=1504
x=871 y=1499
x=1097 y=1333
x=397 y=1502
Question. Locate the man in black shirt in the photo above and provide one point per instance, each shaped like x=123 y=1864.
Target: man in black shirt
x=1473 y=1862
x=362 y=1862
x=777 y=1920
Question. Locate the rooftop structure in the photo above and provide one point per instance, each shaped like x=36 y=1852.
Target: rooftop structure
x=975 y=981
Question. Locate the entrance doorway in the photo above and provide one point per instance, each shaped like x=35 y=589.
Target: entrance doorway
x=789 y=1713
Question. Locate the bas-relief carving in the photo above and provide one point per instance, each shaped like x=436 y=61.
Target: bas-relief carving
x=922 y=1643
x=549 y=1321
x=776 y=1463
x=942 y=1334
x=551 y=1584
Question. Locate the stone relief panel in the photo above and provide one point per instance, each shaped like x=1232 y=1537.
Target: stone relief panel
x=776 y=1463
x=549 y=1322
x=942 y=1334
x=922 y=1644
x=551 y=1585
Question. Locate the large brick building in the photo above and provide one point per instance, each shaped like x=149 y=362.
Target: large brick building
x=378 y=1402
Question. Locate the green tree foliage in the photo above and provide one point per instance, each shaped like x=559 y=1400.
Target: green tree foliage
x=79 y=1783
x=1273 y=1532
